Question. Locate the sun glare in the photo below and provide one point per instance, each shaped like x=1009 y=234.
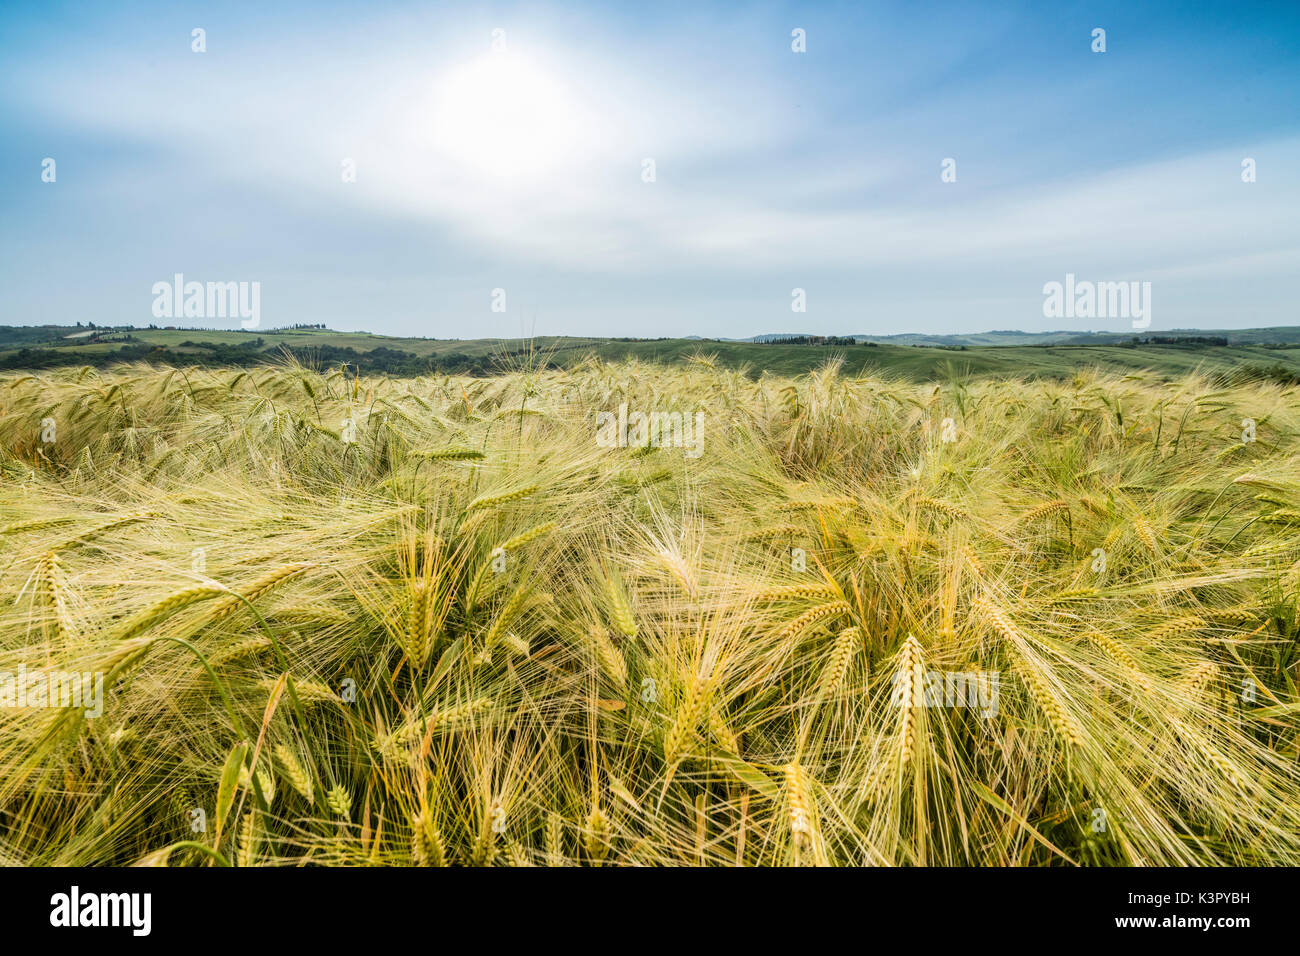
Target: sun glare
x=505 y=118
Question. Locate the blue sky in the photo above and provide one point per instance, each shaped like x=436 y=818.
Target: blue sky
x=522 y=169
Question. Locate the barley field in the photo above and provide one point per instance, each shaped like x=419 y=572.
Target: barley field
x=434 y=621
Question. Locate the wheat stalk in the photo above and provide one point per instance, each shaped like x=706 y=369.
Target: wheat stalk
x=837 y=664
x=609 y=657
x=555 y=840
x=1116 y=652
x=791 y=592
x=487 y=502
x=529 y=536
x=597 y=836
x=620 y=609
x=1043 y=511
x=339 y=801
x=813 y=616
x=248 y=647
x=685 y=722
x=295 y=773
x=56 y=590
x=507 y=615
x=247 y=855
x=426 y=841
x=1066 y=727
x=801 y=811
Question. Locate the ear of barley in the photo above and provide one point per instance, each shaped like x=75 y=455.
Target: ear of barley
x=1199 y=680
x=247 y=855
x=998 y=618
x=796 y=506
x=1043 y=511
x=474 y=588
x=179 y=804
x=507 y=615
x=455 y=454
x=973 y=560
x=167 y=606
x=1072 y=594
x=339 y=801
x=485 y=849
x=295 y=773
x=107 y=526
x=837 y=664
x=1274 y=500
x=248 y=647
x=679 y=569
x=608 y=657
x=722 y=732
x=555 y=840
x=685 y=722
x=426 y=841
x=620 y=608
x=1285 y=517
x=777 y=531
x=1185 y=624
x=517 y=855
x=1116 y=652
x=792 y=592
x=251 y=592
x=1060 y=720
x=808 y=618
x=1237 y=615
x=309 y=692
x=1224 y=766
x=529 y=536
x=1144 y=533
x=800 y=810
x=38 y=524
x=1096 y=507
x=55 y=592
x=944 y=507
x=652 y=477
x=597 y=836
x=266 y=780
x=458 y=713
x=123 y=657
x=909 y=683
x=417 y=622
x=442 y=720
x=493 y=501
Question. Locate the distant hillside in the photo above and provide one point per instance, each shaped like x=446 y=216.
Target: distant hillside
x=1272 y=354
x=1285 y=334
x=1282 y=334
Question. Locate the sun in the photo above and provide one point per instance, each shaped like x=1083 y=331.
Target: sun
x=505 y=118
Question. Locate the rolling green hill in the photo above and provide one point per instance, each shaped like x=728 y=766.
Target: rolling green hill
x=1250 y=353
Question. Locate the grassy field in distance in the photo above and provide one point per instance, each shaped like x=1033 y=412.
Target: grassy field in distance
x=915 y=362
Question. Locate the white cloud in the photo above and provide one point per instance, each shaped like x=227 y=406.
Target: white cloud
x=740 y=190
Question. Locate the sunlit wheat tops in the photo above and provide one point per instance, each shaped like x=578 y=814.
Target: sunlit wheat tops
x=471 y=636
